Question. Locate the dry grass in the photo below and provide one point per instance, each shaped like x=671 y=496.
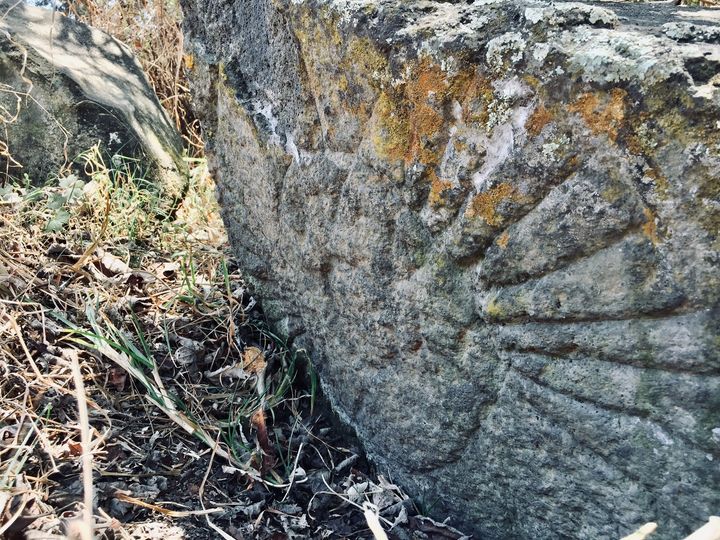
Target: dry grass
x=137 y=379
x=89 y=279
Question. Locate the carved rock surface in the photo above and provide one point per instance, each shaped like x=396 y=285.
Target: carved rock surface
x=494 y=226
x=66 y=87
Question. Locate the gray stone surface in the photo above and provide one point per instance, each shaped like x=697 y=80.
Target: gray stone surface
x=65 y=87
x=494 y=226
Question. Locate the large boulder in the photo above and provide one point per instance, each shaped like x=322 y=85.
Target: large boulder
x=494 y=227
x=65 y=87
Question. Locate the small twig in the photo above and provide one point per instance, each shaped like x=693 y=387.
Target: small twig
x=114 y=524
x=87 y=531
x=120 y=496
x=23 y=345
x=292 y=474
x=709 y=531
x=201 y=492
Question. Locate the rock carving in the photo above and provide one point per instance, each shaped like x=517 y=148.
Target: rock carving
x=494 y=226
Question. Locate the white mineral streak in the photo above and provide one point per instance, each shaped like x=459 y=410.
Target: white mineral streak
x=663 y=437
x=500 y=146
x=264 y=109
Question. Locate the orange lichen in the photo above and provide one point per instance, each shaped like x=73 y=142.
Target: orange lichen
x=484 y=205
x=502 y=240
x=538 y=120
x=426 y=92
x=603 y=114
x=416 y=114
x=649 y=228
x=438 y=187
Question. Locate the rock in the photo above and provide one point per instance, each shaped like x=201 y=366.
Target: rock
x=494 y=227
x=67 y=87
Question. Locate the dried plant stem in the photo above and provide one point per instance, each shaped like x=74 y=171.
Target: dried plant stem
x=201 y=493
x=709 y=531
x=88 y=527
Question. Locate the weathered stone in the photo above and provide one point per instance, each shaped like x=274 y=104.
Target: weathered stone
x=494 y=226
x=67 y=87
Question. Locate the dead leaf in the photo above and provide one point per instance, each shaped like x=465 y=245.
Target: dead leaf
x=254 y=360
x=356 y=492
x=111 y=265
x=75 y=448
x=165 y=270
x=258 y=422
x=117 y=378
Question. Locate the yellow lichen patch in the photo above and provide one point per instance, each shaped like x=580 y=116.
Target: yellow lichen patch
x=538 y=120
x=484 y=205
x=391 y=137
x=331 y=66
x=476 y=100
x=318 y=24
x=614 y=191
x=649 y=228
x=602 y=113
x=438 y=187
x=502 y=240
x=363 y=56
x=317 y=57
x=357 y=74
x=532 y=81
x=492 y=309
